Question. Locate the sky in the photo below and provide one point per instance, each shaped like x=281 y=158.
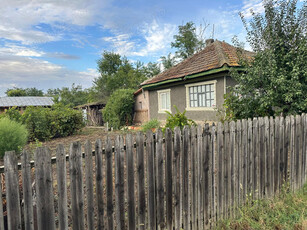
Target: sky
x=55 y=43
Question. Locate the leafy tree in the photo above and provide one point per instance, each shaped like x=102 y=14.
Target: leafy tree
x=117 y=72
x=70 y=97
x=275 y=81
x=119 y=109
x=187 y=41
x=152 y=69
x=168 y=61
x=20 y=92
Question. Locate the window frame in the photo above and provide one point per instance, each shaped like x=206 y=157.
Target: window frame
x=188 y=107
x=159 y=92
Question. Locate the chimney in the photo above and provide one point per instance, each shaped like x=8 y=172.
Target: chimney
x=209 y=41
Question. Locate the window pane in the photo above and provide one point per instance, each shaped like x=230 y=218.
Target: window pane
x=168 y=103
x=203 y=89
x=212 y=95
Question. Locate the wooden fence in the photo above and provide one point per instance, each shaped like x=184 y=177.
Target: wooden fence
x=187 y=179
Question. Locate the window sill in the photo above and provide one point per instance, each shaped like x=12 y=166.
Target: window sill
x=164 y=111
x=201 y=109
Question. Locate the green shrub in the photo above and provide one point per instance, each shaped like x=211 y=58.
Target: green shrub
x=47 y=123
x=13 y=136
x=119 y=108
x=177 y=120
x=152 y=124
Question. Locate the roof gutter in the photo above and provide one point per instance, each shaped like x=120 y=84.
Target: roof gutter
x=153 y=85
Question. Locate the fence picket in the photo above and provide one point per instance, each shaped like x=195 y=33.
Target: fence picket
x=176 y=177
x=109 y=183
x=220 y=156
x=185 y=178
x=298 y=150
x=206 y=160
x=244 y=158
x=141 y=181
x=119 y=183
x=99 y=184
x=262 y=157
x=168 y=178
x=27 y=190
x=76 y=186
x=267 y=155
x=12 y=191
x=200 y=177
x=193 y=177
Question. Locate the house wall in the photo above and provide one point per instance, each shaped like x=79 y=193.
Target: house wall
x=141 y=107
x=178 y=98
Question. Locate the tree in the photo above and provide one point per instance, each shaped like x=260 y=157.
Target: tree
x=70 y=97
x=117 y=72
x=152 y=69
x=168 y=61
x=275 y=81
x=187 y=41
x=20 y=92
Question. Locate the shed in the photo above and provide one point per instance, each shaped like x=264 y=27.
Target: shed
x=22 y=102
x=92 y=113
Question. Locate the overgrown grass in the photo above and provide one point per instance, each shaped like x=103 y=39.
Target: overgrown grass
x=285 y=211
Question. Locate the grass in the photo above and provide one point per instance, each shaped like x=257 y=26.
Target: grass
x=285 y=211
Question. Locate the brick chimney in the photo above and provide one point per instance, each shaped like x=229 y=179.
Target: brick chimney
x=209 y=41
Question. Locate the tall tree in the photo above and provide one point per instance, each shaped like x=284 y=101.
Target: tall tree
x=168 y=61
x=187 y=42
x=275 y=81
x=152 y=69
x=20 y=92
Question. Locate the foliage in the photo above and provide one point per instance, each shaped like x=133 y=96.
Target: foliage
x=119 y=109
x=186 y=41
x=13 y=136
x=118 y=72
x=177 y=120
x=152 y=124
x=47 y=123
x=12 y=113
x=20 y=92
x=70 y=97
x=168 y=61
x=151 y=69
x=275 y=82
x=285 y=211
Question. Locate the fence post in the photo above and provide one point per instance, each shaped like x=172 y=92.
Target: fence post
x=12 y=191
x=76 y=186
x=27 y=190
x=62 y=188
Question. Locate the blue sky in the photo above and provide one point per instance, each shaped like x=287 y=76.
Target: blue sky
x=54 y=43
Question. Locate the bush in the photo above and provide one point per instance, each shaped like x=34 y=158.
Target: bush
x=13 y=136
x=47 y=123
x=119 y=108
x=152 y=124
x=177 y=120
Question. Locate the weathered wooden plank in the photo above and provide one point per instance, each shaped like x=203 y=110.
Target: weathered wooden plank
x=200 y=178
x=1 y=210
x=76 y=186
x=220 y=160
x=255 y=158
x=262 y=157
x=168 y=178
x=151 y=180
x=238 y=168
x=27 y=190
x=227 y=185
x=232 y=166
x=62 y=187
x=193 y=187
x=176 y=179
x=281 y=151
x=206 y=161
x=298 y=151
x=130 y=182
x=109 y=183
x=12 y=191
x=267 y=155
x=244 y=158
x=212 y=173
x=99 y=184
x=287 y=136
x=119 y=183
x=185 y=179
x=271 y=155
x=250 y=177
x=44 y=189
x=89 y=184
x=141 y=181
x=292 y=152
x=304 y=121
x=276 y=155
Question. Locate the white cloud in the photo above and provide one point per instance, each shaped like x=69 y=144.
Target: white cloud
x=252 y=5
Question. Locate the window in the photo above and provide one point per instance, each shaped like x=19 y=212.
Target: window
x=201 y=96
x=164 y=100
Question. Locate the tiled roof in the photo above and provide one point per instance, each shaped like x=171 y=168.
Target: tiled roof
x=214 y=56
x=25 y=101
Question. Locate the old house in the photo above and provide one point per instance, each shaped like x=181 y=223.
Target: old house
x=92 y=113
x=23 y=102
x=197 y=85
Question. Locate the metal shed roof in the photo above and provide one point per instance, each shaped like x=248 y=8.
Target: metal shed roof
x=25 y=101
